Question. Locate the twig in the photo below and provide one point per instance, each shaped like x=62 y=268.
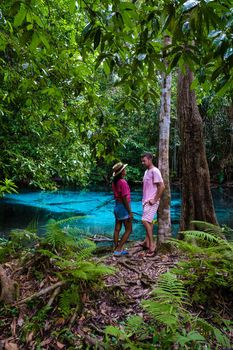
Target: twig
x=55 y=293
x=100 y=239
x=90 y=340
x=96 y=328
x=74 y=316
x=129 y=267
x=41 y=292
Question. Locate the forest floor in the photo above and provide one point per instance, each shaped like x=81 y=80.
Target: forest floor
x=118 y=298
x=34 y=320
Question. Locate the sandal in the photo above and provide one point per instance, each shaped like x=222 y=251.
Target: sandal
x=150 y=253
x=124 y=252
x=120 y=252
x=117 y=253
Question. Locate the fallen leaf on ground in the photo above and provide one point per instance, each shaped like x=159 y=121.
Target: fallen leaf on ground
x=60 y=345
x=11 y=346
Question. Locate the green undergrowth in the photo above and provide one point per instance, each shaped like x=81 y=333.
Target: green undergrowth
x=191 y=305
x=59 y=258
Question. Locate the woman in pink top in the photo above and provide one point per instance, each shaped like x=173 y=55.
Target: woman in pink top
x=122 y=210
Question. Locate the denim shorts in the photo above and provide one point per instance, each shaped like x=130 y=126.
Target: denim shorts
x=120 y=211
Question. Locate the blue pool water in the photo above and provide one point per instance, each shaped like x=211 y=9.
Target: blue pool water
x=19 y=210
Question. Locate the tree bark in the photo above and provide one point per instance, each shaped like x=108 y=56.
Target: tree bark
x=164 y=216
x=197 y=202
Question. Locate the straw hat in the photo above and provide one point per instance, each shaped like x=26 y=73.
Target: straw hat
x=118 y=168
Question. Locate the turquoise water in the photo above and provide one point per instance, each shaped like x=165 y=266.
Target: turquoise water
x=18 y=210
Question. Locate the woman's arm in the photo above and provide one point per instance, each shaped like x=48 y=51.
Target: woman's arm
x=127 y=206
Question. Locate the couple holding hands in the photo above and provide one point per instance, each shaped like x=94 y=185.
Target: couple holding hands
x=153 y=188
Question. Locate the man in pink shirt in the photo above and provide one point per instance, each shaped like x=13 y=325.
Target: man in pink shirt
x=153 y=188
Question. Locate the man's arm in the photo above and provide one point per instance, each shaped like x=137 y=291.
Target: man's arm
x=160 y=189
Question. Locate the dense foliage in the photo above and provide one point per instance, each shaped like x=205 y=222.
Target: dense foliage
x=80 y=84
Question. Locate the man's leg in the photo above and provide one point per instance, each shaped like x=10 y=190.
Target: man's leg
x=149 y=235
x=128 y=230
x=118 y=225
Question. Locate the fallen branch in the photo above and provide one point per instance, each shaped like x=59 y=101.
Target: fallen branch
x=74 y=316
x=41 y=292
x=97 y=328
x=90 y=340
x=101 y=239
x=55 y=293
x=129 y=267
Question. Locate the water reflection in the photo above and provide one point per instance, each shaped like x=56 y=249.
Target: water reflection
x=18 y=210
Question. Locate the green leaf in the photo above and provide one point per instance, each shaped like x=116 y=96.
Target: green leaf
x=175 y=60
x=114 y=331
x=106 y=67
x=97 y=37
x=190 y=4
x=127 y=6
x=44 y=40
x=19 y=18
x=86 y=31
x=72 y=6
x=35 y=42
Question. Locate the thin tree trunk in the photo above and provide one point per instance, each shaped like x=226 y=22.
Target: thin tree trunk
x=164 y=216
x=197 y=202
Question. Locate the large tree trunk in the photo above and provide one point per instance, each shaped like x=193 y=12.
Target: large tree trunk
x=164 y=216
x=197 y=202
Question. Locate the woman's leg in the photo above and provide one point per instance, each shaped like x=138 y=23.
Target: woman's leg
x=118 y=225
x=128 y=230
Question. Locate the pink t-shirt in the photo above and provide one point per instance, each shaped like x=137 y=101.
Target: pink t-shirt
x=151 y=178
x=121 y=190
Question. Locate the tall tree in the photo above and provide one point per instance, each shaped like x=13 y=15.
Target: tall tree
x=164 y=219
x=197 y=200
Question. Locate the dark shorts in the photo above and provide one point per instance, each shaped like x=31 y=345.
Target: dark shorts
x=120 y=211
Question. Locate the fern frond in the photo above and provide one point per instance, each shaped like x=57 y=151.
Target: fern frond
x=170 y=290
x=68 y=298
x=186 y=246
x=205 y=236
x=163 y=313
x=208 y=329
x=33 y=226
x=168 y=300
x=23 y=238
x=54 y=234
x=84 y=270
x=202 y=235
x=70 y=219
x=135 y=324
x=207 y=227
x=49 y=254
x=84 y=248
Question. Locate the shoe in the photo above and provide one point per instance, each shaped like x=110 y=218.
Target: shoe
x=124 y=252
x=117 y=252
